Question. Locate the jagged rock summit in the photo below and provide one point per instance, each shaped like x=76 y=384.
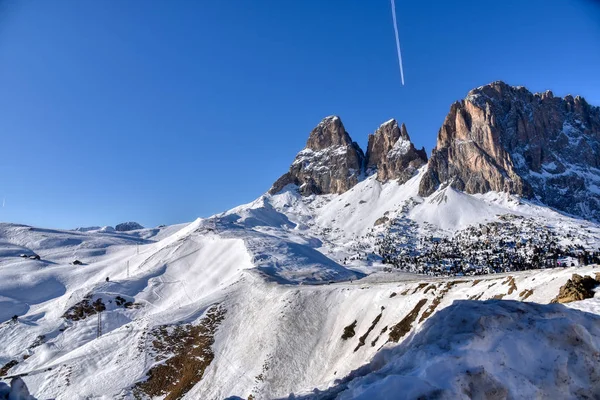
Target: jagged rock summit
x=391 y=153
x=498 y=138
x=505 y=138
x=332 y=163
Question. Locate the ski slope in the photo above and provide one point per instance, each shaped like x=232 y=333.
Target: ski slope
x=291 y=273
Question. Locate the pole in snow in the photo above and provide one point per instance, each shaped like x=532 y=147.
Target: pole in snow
x=99 y=327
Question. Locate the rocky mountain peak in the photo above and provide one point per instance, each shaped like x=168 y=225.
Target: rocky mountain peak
x=328 y=133
x=391 y=153
x=505 y=138
x=330 y=163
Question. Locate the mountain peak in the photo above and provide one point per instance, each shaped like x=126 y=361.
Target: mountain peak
x=392 y=154
x=506 y=138
x=329 y=132
x=330 y=163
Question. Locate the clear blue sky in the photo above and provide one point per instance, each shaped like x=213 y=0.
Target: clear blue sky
x=163 y=111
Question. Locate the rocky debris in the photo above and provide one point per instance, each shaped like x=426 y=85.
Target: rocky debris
x=182 y=354
x=525 y=294
x=505 y=138
x=349 y=331
x=403 y=327
x=381 y=221
x=88 y=307
x=577 y=288
x=330 y=163
x=363 y=338
x=392 y=155
x=84 y=309
x=128 y=226
x=6 y=367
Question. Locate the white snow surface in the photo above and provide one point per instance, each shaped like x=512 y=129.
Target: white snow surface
x=291 y=272
x=491 y=349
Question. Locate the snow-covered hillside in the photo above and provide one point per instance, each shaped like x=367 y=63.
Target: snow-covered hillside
x=283 y=295
x=491 y=349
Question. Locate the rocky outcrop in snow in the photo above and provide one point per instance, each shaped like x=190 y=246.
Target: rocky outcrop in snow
x=467 y=350
x=128 y=226
x=330 y=163
x=391 y=153
x=577 y=288
x=505 y=138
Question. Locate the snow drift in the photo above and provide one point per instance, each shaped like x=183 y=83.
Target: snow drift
x=490 y=349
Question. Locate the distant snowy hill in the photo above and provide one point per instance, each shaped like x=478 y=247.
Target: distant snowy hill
x=340 y=281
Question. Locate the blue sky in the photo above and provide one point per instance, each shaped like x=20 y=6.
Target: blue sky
x=163 y=111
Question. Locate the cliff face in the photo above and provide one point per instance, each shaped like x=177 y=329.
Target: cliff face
x=506 y=138
x=499 y=138
x=391 y=154
x=330 y=163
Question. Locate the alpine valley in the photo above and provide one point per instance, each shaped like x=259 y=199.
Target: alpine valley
x=382 y=274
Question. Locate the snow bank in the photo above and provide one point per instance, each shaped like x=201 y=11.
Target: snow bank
x=17 y=391
x=499 y=349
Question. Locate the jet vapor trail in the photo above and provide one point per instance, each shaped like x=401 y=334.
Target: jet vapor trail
x=397 y=41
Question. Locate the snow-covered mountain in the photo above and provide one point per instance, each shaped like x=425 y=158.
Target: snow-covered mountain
x=539 y=146
x=340 y=282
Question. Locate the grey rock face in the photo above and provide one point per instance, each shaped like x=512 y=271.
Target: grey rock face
x=392 y=155
x=128 y=226
x=506 y=138
x=330 y=163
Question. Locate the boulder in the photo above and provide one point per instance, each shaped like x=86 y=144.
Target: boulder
x=577 y=288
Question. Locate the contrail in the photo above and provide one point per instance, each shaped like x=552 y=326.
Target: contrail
x=397 y=41
x=3 y=202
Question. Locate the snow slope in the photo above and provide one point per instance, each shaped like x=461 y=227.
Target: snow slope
x=289 y=270
x=491 y=349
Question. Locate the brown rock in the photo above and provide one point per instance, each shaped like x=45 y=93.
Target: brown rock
x=577 y=288
x=505 y=138
x=391 y=153
x=330 y=163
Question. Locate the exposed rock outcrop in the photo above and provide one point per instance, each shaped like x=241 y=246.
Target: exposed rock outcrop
x=391 y=153
x=330 y=163
x=128 y=226
x=505 y=138
x=577 y=288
